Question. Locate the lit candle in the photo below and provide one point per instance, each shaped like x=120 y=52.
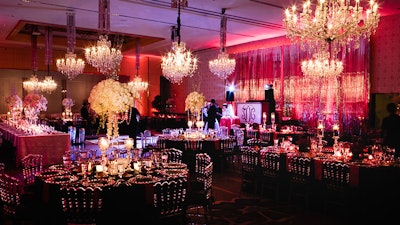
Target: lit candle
x=272 y=117
x=264 y=117
x=335 y=130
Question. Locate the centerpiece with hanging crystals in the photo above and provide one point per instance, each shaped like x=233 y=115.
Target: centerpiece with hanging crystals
x=109 y=99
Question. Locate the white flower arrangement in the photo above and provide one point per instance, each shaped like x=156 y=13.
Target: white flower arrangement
x=68 y=102
x=109 y=97
x=194 y=102
x=14 y=101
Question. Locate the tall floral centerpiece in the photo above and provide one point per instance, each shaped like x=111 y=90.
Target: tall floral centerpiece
x=108 y=99
x=193 y=104
x=67 y=103
x=33 y=104
x=14 y=104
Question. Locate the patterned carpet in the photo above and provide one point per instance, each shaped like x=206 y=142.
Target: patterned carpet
x=249 y=211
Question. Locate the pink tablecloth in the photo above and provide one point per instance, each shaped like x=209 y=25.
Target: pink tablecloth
x=51 y=146
x=228 y=121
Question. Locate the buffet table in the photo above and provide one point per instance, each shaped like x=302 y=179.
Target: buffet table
x=51 y=146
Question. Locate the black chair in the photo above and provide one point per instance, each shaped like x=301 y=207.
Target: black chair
x=81 y=205
x=250 y=161
x=31 y=165
x=174 y=155
x=15 y=205
x=301 y=179
x=200 y=196
x=337 y=196
x=169 y=201
x=227 y=152
x=271 y=174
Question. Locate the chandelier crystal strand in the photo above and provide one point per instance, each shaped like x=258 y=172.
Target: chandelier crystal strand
x=70 y=66
x=102 y=56
x=137 y=82
x=335 y=21
x=179 y=62
x=222 y=67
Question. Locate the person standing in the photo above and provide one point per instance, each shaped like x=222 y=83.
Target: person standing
x=133 y=125
x=214 y=114
x=391 y=129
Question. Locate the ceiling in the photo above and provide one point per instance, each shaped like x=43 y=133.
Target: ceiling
x=151 y=21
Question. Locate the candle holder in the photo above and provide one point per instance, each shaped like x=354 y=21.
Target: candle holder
x=190 y=124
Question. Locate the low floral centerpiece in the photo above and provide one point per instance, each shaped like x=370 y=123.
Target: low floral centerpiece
x=108 y=98
x=194 y=103
x=33 y=104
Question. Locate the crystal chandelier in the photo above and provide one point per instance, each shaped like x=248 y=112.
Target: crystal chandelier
x=222 y=66
x=70 y=66
x=102 y=56
x=322 y=66
x=137 y=82
x=48 y=84
x=32 y=84
x=334 y=22
x=180 y=62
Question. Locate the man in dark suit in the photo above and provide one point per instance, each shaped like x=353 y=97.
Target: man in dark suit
x=214 y=114
x=133 y=125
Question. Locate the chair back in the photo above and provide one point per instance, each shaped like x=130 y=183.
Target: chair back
x=300 y=169
x=169 y=198
x=193 y=145
x=336 y=175
x=31 y=164
x=11 y=191
x=254 y=142
x=161 y=143
x=228 y=145
x=250 y=159
x=251 y=133
x=265 y=137
x=202 y=161
x=81 y=205
x=270 y=164
x=174 y=155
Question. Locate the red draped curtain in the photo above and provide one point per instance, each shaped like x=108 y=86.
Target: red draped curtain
x=343 y=99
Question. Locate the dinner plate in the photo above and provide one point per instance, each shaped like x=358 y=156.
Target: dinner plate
x=99 y=182
x=50 y=173
x=61 y=179
x=143 y=179
x=173 y=165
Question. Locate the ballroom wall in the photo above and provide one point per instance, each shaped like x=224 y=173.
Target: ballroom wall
x=385 y=70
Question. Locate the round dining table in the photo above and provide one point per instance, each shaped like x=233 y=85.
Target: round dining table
x=125 y=195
